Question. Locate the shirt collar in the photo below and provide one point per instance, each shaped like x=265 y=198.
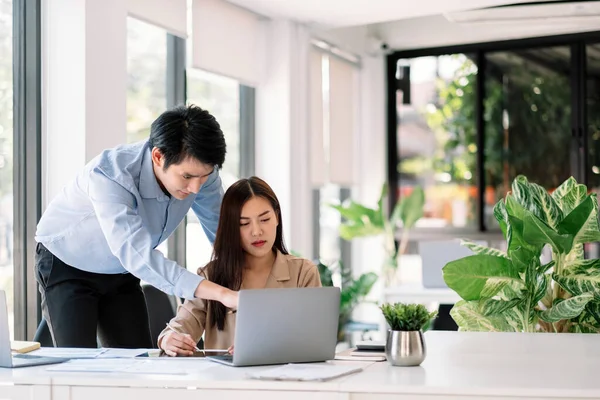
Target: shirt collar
x=149 y=187
x=281 y=269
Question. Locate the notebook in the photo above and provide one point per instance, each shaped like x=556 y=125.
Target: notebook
x=21 y=346
x=305 y=372
x=353 y=355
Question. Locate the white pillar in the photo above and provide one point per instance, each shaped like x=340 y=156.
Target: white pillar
x=367 y=253
x=85 y=83
x=282 y=129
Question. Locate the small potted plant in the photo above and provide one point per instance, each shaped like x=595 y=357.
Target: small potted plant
x=405 y=344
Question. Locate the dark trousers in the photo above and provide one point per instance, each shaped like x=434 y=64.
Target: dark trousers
x=83 y=307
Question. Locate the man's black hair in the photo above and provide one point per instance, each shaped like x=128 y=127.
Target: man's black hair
x=188 y=131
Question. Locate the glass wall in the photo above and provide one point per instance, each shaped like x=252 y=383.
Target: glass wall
x=6 y=157
x=146 y=81
x=146 y=77
x=221 y=97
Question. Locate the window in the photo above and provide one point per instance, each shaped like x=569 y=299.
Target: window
x=527 y=101
x=6 y=154
x=436 y=137
x=531 y=107
x=220 y=96
x=146 y=77
x=593 y=115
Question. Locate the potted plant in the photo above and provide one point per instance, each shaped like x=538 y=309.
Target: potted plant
x=513 y=290
x=361 y=221
x=405 y=344
x=353 y=291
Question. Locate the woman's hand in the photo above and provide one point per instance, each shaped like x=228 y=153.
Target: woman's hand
x=230 y=350
x=177 y=344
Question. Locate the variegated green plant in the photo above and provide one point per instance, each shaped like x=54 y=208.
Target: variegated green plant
x=513 y=290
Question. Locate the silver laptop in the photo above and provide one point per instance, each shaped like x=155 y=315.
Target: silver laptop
x=21 y=360
x=279 y=326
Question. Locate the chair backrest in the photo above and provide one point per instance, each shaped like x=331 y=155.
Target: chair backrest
x=42 y=334
x=161 y=308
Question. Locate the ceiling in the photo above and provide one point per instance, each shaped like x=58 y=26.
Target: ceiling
x=342 y=13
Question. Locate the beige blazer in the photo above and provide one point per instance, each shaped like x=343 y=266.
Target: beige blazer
x=193 y=316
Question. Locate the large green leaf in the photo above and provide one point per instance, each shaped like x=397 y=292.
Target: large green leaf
x=536 y=284
x=358 y=214
x=501 y=216
x=566 y=309
x=537 y=200
x=516 y=226
x=537 y=232
x=349 y=232
x=569 y=195
x=359 y=221
x=468 y=317
x=581 y=278
x=477 y=276
x=479 y=249
x=582 y=222
x=574 y=255
x=593 y=308
x=411 y=207
x=523 y=257
x=491 y=307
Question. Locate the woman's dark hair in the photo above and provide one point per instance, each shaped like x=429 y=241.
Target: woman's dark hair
x=188 y=131
x=226 y=267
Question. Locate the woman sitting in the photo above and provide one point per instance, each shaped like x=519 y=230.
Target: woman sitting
x=249 y=253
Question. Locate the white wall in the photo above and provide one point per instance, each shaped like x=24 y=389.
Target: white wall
x=437 y=31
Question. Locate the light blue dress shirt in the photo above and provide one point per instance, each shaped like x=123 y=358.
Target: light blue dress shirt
x=113 y=215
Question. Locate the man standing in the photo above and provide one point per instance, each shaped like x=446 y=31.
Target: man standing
x=98 y=237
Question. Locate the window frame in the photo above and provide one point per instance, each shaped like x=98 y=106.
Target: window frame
x=27 y=156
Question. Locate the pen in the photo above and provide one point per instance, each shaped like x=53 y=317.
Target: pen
x=196 y=347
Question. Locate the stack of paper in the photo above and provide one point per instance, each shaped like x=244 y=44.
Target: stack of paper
x=305 y=372
x=354 y=355
x=128 y=366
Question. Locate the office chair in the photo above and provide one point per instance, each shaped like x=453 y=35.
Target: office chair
x=42 y=334
x=161 y=309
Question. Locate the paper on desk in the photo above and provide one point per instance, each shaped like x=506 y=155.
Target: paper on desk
x=67 y=352
x=305 y=372
x=122 y=353
x=128 y=366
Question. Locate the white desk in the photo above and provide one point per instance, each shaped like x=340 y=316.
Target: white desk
x=459 y=365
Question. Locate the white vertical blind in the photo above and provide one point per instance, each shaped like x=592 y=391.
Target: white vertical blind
x=168 y=14
x=342 y=121
x=228 y=40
